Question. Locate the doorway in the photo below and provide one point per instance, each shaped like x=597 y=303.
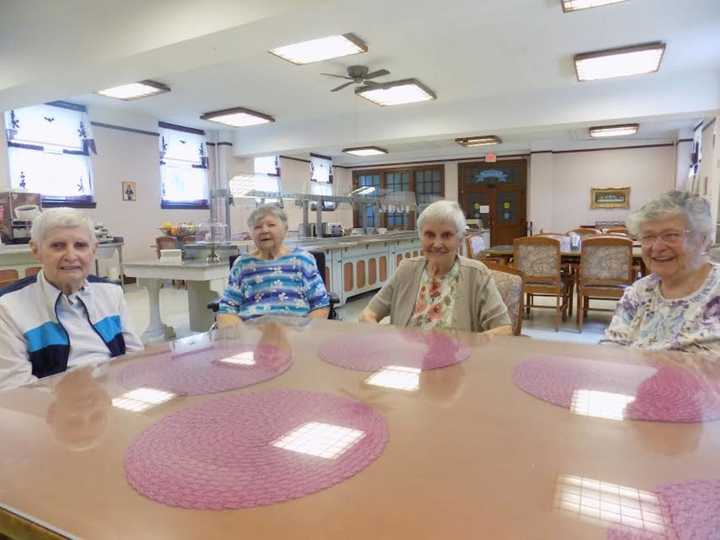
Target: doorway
x=495 y=194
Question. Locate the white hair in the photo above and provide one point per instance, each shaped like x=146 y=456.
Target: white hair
x=60 y=218
x=447 y=211
x=694 y=208
x=267 y=210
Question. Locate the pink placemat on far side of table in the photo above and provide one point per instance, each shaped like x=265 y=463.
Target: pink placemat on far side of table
x=203 y=371
x=690 y=511
x=247 y=450
x=657 y=392
x=402 y=347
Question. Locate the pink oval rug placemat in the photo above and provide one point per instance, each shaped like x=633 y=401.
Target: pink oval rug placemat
x=404 y=347
x=663 y=393
x=254 y=449
x=215 y=368
x=690 y=511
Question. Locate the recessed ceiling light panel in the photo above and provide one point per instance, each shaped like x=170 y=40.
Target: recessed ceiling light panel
x=317 y=50
x=485 y=140
x=396 y=92
x=576 y=5
x=364 y=151
x=136 y=90
x=620 y=62
x=614 y=131
x=237 y=117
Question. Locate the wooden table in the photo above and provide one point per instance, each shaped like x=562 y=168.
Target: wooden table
x=469 y=456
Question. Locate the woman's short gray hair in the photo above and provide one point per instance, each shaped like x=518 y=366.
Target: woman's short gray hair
x=447 y=211
x=60 y=218
x=694 y=208
x=267 y=210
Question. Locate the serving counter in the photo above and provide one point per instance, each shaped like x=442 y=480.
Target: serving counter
x=467 y=453
x=357 y=264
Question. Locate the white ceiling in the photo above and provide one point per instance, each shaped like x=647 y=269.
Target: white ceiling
x=497 y=66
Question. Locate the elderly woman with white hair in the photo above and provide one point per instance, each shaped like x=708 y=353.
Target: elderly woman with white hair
x=273 y=279
x=441 y=289
x=61 y=317
x=677 y=306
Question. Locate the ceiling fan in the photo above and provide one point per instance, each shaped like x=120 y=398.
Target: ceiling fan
x=357 y=75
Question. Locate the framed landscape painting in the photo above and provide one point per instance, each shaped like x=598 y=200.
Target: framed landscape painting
x=610 y=197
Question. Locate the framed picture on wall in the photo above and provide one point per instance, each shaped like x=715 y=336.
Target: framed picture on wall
x=129 y=191
x=610 y=197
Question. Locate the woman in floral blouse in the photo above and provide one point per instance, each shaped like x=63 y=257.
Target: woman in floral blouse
x=676 y=307
x=441 y=289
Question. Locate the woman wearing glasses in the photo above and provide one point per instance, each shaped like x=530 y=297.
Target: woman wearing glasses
x=677 y=306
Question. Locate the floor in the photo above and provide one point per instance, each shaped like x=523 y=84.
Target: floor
x=173 y=307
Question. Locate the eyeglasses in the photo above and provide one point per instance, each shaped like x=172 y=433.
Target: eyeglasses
x=669 y=238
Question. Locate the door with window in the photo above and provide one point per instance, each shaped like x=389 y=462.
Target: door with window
x=495 y=194
x=426 y=182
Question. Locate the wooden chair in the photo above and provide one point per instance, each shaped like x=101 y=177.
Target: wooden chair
x=509 y=282
x=539 y=260
x=32 y=270
x=7 y=277
x=165 y=242
x=613 y=230
x=585 y=231
x=606 y=269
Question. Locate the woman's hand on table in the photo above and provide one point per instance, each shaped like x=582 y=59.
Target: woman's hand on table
x=368 y=316
x=227 y=320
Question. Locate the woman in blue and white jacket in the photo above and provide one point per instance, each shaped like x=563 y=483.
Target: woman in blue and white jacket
x=62 y=317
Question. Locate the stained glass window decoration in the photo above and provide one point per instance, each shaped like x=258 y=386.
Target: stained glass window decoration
x=49 y=148
x=183 y=167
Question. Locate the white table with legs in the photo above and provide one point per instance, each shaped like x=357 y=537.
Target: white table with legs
x=203 y=279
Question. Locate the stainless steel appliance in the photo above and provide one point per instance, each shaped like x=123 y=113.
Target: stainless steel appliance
x=17 y=210
x=332 y=229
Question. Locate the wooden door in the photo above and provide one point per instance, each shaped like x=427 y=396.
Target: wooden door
x=496 y=194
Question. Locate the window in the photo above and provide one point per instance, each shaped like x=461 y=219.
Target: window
x=49 y=153
x=321 y=179
x=183 y=167
x=268 y=165
x=427 y=183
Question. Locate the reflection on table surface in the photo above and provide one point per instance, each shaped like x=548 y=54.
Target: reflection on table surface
x=470 y=455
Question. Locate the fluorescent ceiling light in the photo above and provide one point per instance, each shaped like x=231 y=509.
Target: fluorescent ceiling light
x=485 y=140
x=135 y=90
x=576 y=5
x=237 y=117
x=364 y=151
x=614 y=131
x=620 y=62
x=363 y=190
x=317 y=50
x=396 y=92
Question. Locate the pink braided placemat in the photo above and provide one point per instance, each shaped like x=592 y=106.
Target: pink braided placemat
x=404 y=347
x=220 y=454
x=691 y=511
x=663 y=393
x=202 y=371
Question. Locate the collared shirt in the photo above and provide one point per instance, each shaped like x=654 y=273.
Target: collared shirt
x=435 y=303
x=86 y=347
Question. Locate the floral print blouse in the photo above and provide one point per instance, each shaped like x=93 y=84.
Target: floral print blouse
x=644 y=319
x=435 y=301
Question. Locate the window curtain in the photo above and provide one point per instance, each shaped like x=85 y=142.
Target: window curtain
x=183 y=167
x=321 y=178
x=267 y=165
x=49 y=150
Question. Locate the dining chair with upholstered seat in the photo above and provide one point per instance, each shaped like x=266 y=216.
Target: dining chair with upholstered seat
x=606 y=269
x=7 y=277
x=509 y=282
x=538 y=259
x=474 y=245
x=585 y=231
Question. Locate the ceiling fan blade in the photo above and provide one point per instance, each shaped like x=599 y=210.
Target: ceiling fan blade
x=378 y=73
x=338 y=76
x=341 y=86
